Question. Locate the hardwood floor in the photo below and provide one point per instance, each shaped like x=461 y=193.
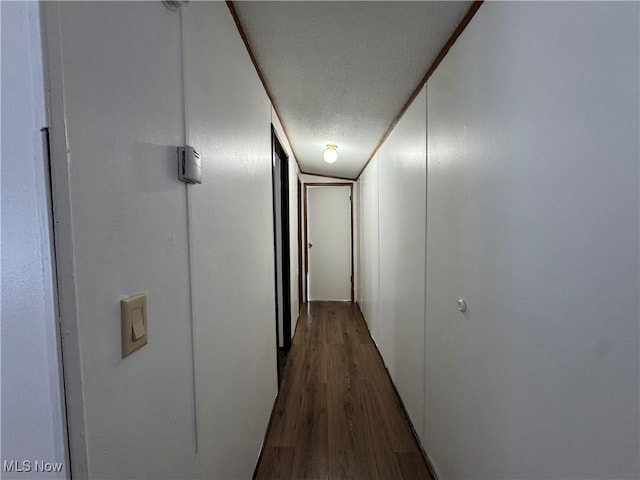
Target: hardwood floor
x=337 y=415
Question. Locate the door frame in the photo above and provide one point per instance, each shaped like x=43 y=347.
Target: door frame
x=306 y=238
x=56 y=158
x=278 y=154
x=299 y=222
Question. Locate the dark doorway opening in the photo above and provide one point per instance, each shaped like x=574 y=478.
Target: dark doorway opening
x=282 y=254
x=300 y=240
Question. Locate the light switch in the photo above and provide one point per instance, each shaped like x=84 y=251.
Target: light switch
x=133 y=312
x=137 y=323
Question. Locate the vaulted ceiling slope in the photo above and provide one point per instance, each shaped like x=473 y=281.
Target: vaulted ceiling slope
x=340 y=72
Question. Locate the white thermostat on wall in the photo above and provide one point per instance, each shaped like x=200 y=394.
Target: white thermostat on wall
x=189 y=165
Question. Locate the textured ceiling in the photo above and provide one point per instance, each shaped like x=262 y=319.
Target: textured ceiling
x=339 y=72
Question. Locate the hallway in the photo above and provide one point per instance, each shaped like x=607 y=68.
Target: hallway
x=455 y=186
x=337 y=414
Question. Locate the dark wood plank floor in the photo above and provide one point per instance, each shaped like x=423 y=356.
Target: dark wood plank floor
x=337 y=415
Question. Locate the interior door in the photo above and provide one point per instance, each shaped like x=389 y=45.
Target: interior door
x=329 y=242
x=280 y=179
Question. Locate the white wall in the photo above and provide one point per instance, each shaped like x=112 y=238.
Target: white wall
x=123 y=106
x=392 y=300
x=116 y=91
x=229 y=120
x=368 y=280
x=401 y=213
x=533 y=211
x=532 y=217
x=32 y=410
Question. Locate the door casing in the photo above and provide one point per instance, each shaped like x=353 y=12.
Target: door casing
x=280 y=176
x=306 y=230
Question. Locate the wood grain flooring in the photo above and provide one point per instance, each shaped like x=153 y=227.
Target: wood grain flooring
x=337 y=415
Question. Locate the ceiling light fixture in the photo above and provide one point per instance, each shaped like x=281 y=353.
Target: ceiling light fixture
x=330 y=155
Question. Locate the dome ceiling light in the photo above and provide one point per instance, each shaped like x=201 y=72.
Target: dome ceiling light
x=330 y=155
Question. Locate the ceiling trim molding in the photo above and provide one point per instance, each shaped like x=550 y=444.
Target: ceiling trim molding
x=327 y=176
x=443 y=53
x=245 y=40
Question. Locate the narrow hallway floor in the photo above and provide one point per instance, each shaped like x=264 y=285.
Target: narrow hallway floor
x=337 y=414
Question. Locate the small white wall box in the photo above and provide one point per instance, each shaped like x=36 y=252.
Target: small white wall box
x=189 y=165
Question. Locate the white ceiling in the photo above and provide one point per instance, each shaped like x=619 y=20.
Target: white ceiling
x=339 y=72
